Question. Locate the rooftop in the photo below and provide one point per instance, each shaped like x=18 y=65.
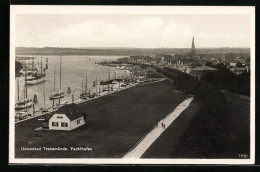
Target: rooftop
x=204 y=68
x=72 y=111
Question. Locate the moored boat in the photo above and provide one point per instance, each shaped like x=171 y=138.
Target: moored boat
x=57 y=95
x=36 y=77
x=27 y=103
x=36 y=80
x=22 y=115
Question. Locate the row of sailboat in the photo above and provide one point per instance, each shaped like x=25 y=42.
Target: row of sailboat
x=33 y=76
x=36 y=78
x=23 y=105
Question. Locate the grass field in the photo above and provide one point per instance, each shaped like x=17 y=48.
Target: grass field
x=166 y=144
x=115 y=123
x=237 y=126
x=202 y=136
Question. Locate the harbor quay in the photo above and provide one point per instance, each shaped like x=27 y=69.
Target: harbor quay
x=114 y=123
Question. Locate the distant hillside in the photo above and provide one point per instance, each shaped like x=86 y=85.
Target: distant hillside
x=124 y=51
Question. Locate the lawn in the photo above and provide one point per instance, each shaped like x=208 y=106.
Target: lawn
x=193 y=135
x=115 y=123
x=166 y=144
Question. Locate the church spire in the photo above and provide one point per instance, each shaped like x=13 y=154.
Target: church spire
x=193 y=50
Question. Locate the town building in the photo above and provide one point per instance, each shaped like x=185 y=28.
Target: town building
x=238 y=70
x=198 y=72
x=68 y=117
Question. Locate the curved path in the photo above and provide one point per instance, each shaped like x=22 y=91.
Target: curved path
x=139 y=149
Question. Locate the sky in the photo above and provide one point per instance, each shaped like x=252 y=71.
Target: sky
x=131 y=30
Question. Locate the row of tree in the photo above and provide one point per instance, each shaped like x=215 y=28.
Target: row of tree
x=228 y=81
x=18 y=67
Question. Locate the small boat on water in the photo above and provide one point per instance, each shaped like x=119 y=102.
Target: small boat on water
x=108 y=89
x=44 y=110
x=57 y=95
x=64 y=102
x=106 y=82
x=27 y=103
x=123 y=85
x=36 y=79
x=114 y=82
x=83 y=96
x=22 y=115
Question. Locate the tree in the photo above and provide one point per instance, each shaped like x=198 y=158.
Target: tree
x=208 y=64
x=239 y=64
x=18 y=67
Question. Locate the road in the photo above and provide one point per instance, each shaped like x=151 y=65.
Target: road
x=139 y=149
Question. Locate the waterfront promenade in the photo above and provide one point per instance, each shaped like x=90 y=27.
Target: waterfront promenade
x=79 y=101
x=115 y=123
x=139 y=149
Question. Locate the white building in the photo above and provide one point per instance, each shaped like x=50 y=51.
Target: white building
x=68 y=117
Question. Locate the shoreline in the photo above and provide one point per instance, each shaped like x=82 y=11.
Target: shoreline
x=83 y=101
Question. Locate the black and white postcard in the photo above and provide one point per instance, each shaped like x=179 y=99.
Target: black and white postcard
x=132 y=85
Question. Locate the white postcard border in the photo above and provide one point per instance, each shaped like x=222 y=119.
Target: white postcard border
x=54 y=9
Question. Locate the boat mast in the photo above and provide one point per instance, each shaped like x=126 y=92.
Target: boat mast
x=43 y=94
x=86 y=86
x=24 y=92
x=33 y=64
x=18 y=87
x=96 y=86
x=60 y=71
x=54 y=79
x=109 y=74
x=26 y=81
x=82 y=88
x=41 y=66
x=115 y=73
x=108 y=79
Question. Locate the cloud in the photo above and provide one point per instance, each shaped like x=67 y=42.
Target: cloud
x=131 y=31
x=144 y=32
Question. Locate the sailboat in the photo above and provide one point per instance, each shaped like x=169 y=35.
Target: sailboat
x=21 y=115
x=25 y=103
x=30 y=71
x=108 y=81
x=57 y=94
x=84 y=95
x=108 y=88
x=37 y=77
x=44 y=109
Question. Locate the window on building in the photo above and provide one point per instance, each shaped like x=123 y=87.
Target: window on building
x=60 y=117
x=64 y=124
x=78 y=121
x=55 y=124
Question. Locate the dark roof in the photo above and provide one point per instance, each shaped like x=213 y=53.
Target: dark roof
x=204 y=68
x=72 y=111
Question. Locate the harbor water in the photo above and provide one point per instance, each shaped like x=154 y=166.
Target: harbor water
x=74 y=70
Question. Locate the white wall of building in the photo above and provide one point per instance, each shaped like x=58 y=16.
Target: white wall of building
x=59 y=118
x=73 y=124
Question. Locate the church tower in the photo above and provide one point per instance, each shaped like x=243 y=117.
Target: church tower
x=193 y=50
